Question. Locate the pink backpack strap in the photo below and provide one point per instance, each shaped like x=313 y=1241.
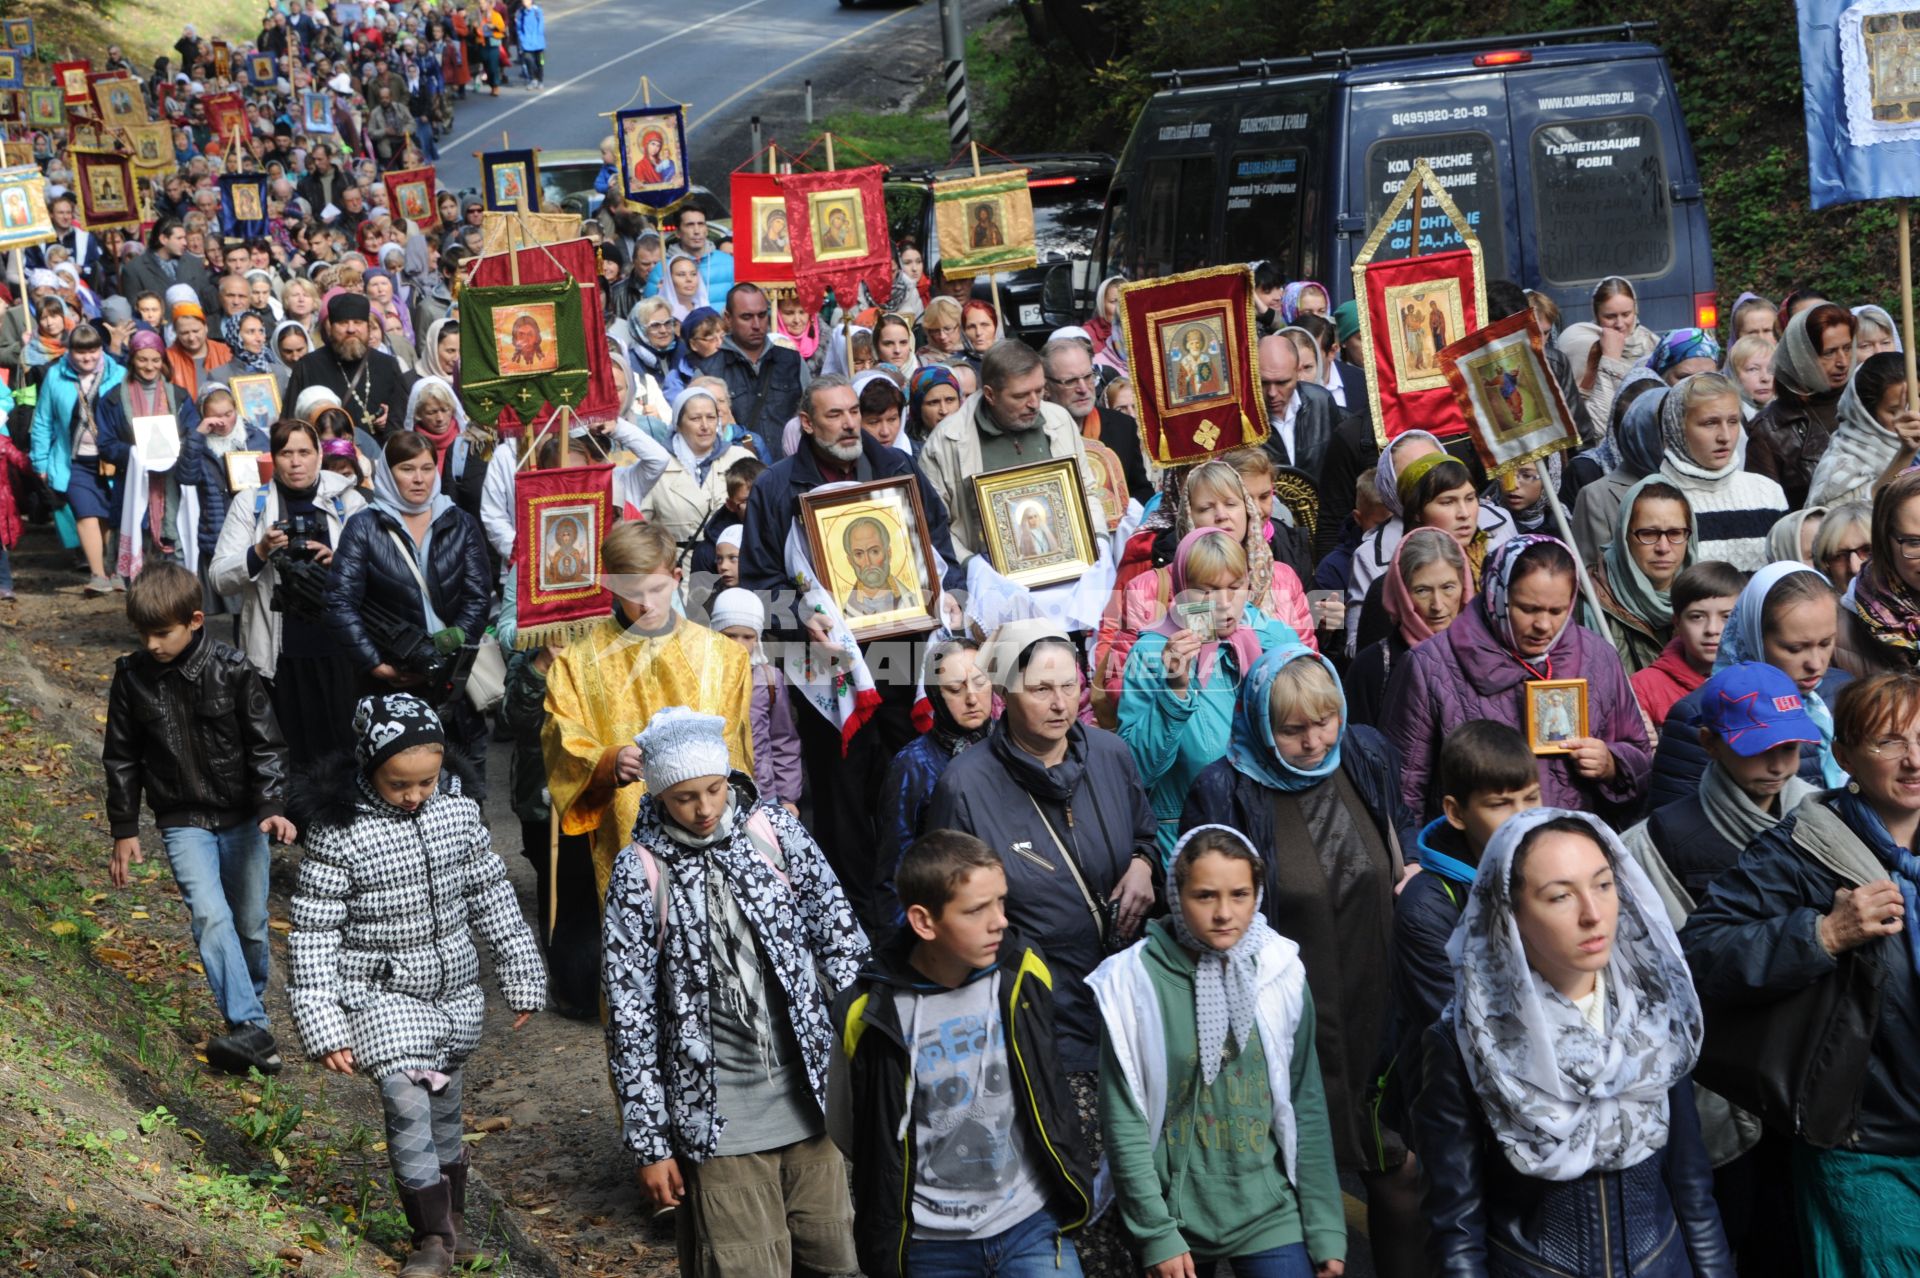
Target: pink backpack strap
x=761 y=826
x=758 y=825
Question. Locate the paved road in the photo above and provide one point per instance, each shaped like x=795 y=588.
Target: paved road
x=728 y=61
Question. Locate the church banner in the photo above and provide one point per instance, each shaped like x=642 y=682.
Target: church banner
x=840 y=240
x=105 y=183
x=984 y=224
x=653 y=156
x=1512 y=402
x=548 y=263
x=243 y=204
x=410 y=194
x=1860 y=68
x=522 y=345
x=1191 y=340
x=560 y=517
x=762 y=242
x=23 y=207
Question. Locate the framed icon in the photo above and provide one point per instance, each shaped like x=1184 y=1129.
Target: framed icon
x=46 y=108
x=12 y=74
x=1035 y=522
x=1556 y=714
x=258 y=397
x=510 y=180
x=874 y=556
x=18 y=33
x=23 y=207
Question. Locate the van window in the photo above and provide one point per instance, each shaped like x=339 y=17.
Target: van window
x=1065 y=219
x=1264 y=208
x=1600 y=195
x=1177 y=207
x=1467 y=167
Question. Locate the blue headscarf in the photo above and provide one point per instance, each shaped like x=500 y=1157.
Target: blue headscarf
x=1902 y=865
x=1684 y=344
x=1745 y=640
x=1638 y=444
x=1253 y=752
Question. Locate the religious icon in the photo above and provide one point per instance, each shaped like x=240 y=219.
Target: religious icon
x=1421 y=319
x=510 y=182
x=1892 y=43
x=260 y=69
x=46 y=108
x=653 y=154
x=150 y=146
x=316 y=111
x=1035 y=522
x=10 y=77
x=19 y=35
x=985 y=231
x=258 y=396
x=507 y=187
x=867 y=543
x=839 y=225
x=1556 y=713
x=73 y=81
x=413 y=201
x=1512 y=404
x=14 y=210
x=568 y=562
x=871 y=550
x=109 y=196
x=23 y=207
x=523 y=336
x=1196 y=367
x=246 y=202
x=770 y=229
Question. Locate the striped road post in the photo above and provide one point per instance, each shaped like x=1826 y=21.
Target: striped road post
x=953 y=44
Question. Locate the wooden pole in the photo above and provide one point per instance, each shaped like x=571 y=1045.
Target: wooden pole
x=1573 y=548
x=1906 y=300
x=646 y=92
x=553 y=869
x=1413 y=241
x=993 y=277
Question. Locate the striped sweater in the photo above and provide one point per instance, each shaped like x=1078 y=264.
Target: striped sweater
x=1733 y=508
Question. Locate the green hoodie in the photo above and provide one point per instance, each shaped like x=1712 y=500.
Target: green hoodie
x=1215 y=1184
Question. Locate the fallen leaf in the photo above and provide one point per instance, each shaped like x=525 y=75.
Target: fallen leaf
x=62 y=927
x=498 y=1123
x=280 y=925
x=108 y=954
x=98 y=717
x=139 y=914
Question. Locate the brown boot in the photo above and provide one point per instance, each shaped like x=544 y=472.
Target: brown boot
x=466 y=1249
x=430 y=1214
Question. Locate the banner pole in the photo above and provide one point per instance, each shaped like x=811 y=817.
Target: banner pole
x=1906 y=298
x=993 y=277
x=1579 y=565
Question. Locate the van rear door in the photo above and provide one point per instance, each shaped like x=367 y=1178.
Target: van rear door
x=1607 y=187
x=1458 y=125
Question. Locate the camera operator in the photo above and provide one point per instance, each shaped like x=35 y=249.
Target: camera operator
x=410 y=588
x=272 y=534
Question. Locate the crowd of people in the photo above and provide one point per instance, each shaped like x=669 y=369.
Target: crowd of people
x=1325 y=832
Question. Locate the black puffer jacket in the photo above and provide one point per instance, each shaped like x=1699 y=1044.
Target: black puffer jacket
x=198 y=735
x=1656 y=1219
x=369 y=566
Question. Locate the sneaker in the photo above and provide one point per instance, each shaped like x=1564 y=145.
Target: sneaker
x=97 y=586
x=6 y=596
x=249 y=1047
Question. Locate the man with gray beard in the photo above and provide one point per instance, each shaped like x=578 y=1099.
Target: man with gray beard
x=369 y=383
x=845 y=776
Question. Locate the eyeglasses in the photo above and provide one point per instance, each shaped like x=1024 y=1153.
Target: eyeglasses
x=1884 y=748
x=1085 y=379
x=1909 y=547
x=1849 y=553
x=665 y=323
x=1654 y=536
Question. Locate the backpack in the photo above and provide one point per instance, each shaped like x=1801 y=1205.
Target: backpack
x=757 y=824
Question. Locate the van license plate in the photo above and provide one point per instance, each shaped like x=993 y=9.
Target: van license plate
x=1030 y=316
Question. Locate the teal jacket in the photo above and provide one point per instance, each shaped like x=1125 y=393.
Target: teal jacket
x=1173 y=738
x=51 y=446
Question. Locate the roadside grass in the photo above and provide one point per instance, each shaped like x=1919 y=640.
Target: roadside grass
x=917 y=135
x=144 y=29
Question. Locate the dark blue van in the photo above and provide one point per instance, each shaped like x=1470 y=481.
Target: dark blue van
x=1565 y=151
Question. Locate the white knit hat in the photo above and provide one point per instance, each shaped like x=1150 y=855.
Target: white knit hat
x=737 y=607
x=679 y=744
x=732 y=535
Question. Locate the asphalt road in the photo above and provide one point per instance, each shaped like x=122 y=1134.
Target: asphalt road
x=727 y=61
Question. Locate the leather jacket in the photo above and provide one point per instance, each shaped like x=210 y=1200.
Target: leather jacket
x=369 y=564
x=198 y=735
x=1656 y=1219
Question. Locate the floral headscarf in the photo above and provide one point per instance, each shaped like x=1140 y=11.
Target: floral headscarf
x=924 y=380
x=1386 y=471
x=1497 y=589
x=1290 y=299
x=1683 y=344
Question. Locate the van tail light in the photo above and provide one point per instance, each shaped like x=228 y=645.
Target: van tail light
x=1503 y=58
x=1037 y=183
x=1706 y=311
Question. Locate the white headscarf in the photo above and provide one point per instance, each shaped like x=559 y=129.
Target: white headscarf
x=680 y=310
x=1561 y=1098
x=683 y=453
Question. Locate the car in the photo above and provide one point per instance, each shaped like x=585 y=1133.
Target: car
x=1068 y=192
x=1565 y=150
x=567 y=178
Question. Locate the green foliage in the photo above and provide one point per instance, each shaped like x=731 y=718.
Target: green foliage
x=1736 y=64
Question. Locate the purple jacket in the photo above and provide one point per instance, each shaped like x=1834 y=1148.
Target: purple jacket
x=1463 y=673
x=776 y=742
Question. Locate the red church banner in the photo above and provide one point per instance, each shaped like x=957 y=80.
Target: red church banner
x=838 y=232
x=1190 y=341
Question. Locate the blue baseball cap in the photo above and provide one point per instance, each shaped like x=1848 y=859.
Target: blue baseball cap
x=1754 y=707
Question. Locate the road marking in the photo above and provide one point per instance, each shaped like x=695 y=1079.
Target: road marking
x=724 y=103
x=493 y=124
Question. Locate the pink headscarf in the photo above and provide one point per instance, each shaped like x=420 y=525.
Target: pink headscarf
x=1399 y=600
x=1244 y=640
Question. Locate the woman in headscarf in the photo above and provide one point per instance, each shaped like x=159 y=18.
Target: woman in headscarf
x=960 y=708
x=1424 y=589
x=146 y=392
x=252 y=355
x=1701 y=428
x=50 y=326
x=695 y=482
x=798 y=328
x=1841 y=547
x=655 y=345
x=1792 y=536
x=1520 y=631
x=1874 y=333
x=1315 y=794
x=205 y=444
x=893 y=344
x=1651 y=545
x=1113 y=354
x=1181 y=676
x=1878 y=435
x=1436 y=491
x=701 y=332
x=935 y=394
x=1684 y=352
x=1558 y=1083
x=1306 y=297
x=1605 y=350
x=1209 y=1030
x=1880 y=612
x=435 y=414
x=1105 y=317
x=911 y=287
x=440 y=351
x=1810 y=368
x=1752 y=315
x=1630 y=452
x=1835 y=884
x=686 y=289
x=1788 y=617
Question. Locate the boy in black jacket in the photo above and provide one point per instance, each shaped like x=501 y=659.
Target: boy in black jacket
x=188 y=722
x=959 y=1016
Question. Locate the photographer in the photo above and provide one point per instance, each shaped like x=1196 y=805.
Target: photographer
x=410 y=587
x=272 y=535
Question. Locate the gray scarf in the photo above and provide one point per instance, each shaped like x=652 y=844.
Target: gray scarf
x=1225 y=985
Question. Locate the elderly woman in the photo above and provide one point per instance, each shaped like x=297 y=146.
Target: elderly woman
x=1880 y=612
x=1085 y=869
x=1878 y=435
x=1684 y=352
x=434 y=413
x=1826 y=890
x=695 y=482
x=1651 y=545
x=1426 y=587
x=1841 y=547
x=1316 y=796
x=288 y=525
x=1875 y=333
x=1181 y=678
x=1558 y=1083
x=1787 y=616
x=1701 y=424
x=941 y=322
x=1810 y=368
x=1436 y=491
x=1750 y=365
x=1605 y=351
x=1521 y=631
x=655 y=345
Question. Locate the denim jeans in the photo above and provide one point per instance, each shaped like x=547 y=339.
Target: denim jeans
x=1290 y=1261
x=6 y=571
x=223 y=876
x=1031 y=1249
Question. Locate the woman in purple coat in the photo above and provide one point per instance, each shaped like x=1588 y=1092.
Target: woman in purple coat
x=1521 y=629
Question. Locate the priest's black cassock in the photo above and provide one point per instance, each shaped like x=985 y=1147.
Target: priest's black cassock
x=364 y=386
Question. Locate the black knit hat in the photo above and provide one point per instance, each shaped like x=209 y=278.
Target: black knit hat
x=391 y=722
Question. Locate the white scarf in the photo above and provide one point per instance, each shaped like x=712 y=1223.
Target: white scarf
x=1562 y=1099
x=842 y=690
x=1858 y=454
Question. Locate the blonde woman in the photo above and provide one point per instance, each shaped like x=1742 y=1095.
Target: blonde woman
x=1605 y=350
x=941 y=322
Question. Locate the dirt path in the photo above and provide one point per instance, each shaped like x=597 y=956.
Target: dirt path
x=558 y=1170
